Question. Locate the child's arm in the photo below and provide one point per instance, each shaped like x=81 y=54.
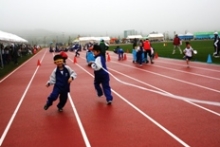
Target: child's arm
x=52 y=79
x=72 y=72
x=97 y=65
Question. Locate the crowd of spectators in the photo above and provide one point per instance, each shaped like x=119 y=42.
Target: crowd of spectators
x=12 y=52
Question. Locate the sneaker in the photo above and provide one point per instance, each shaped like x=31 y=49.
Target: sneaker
x=60 y=109
x=109 y=102
x=46 y=107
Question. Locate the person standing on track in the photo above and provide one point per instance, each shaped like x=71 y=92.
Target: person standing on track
x=176 y=44
x=101 y=75
x=61 y=78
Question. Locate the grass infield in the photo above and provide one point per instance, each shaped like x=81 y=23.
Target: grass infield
x=204 y=49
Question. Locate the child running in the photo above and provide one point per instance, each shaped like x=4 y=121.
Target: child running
x=188 y=51
x=61 y=78
x=101 y=76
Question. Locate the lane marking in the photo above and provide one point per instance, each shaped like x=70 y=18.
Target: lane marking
x=200 y=75
x=85 y=138
x=182 y=81
x=164 y=94
x=18 y=106
x=145 y=115
x=206 y=109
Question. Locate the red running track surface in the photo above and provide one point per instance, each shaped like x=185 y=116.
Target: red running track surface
x=145 y=111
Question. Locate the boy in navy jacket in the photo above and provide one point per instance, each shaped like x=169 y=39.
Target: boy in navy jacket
x=101 y=75
x=61 y=78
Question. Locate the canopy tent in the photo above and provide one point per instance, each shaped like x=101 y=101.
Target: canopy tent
x=186 y=36
x=10 y=38
x=158 y=37
x=134 y=36
x=84 y=40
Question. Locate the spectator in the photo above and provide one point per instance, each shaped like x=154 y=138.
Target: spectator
x=176 y=44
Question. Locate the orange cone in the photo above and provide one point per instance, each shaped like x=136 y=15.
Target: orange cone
x=108 y=57
x=38 y=63
x=156 y=55
x=125 y=57
x=74 y=60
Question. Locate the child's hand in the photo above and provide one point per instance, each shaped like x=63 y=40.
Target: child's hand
x=70 y=80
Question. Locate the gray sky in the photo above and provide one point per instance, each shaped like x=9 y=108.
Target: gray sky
x=112 y=17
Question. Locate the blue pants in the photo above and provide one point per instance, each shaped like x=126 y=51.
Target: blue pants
x=55 y=94
x=104 y=81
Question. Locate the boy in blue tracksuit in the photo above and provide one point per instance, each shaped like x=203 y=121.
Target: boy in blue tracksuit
x=61 y=78
x=101 y=76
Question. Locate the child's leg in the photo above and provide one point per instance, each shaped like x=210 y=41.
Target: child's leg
x=98 y=88
x=53 y=96
x=63 y=99
x=107 y=89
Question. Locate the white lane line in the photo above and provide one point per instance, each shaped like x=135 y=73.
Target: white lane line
x=206 y=109
x=18 y=106
x=182 y=81
x=145 y=115
x=204 y=76
x=82 y=130
x=161 y=93
x=85 y=138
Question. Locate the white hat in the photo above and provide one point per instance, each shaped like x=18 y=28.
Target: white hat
x=216 y=33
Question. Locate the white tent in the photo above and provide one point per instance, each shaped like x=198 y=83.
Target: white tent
x=11 y=38
x=134 y=36
x=158 y=36
x=83 y=40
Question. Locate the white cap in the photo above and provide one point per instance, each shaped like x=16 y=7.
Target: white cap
x=216 y=33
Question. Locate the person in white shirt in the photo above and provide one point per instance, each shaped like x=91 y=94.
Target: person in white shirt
x=188 y=52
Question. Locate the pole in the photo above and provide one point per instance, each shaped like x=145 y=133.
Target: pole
x=1 y=48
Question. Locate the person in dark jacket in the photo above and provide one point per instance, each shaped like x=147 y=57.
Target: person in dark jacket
x=216 y=45
x=104 y=46
x=61 y=78
x=101 y=75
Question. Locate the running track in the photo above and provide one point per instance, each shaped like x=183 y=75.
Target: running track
x=164 y=104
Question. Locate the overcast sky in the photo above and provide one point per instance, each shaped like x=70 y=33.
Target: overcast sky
x=110 y=17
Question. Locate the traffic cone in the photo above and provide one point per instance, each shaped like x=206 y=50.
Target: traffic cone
x=125 y=57
x=108 y=57
x=74 y=60
x=209 y=59
x=156 y=56
x=38 y=63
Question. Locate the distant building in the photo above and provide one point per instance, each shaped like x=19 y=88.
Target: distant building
x=129 y=32
x=204 y=35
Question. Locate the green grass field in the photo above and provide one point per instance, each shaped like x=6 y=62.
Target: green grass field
x=11 y=66
x=204 y=48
